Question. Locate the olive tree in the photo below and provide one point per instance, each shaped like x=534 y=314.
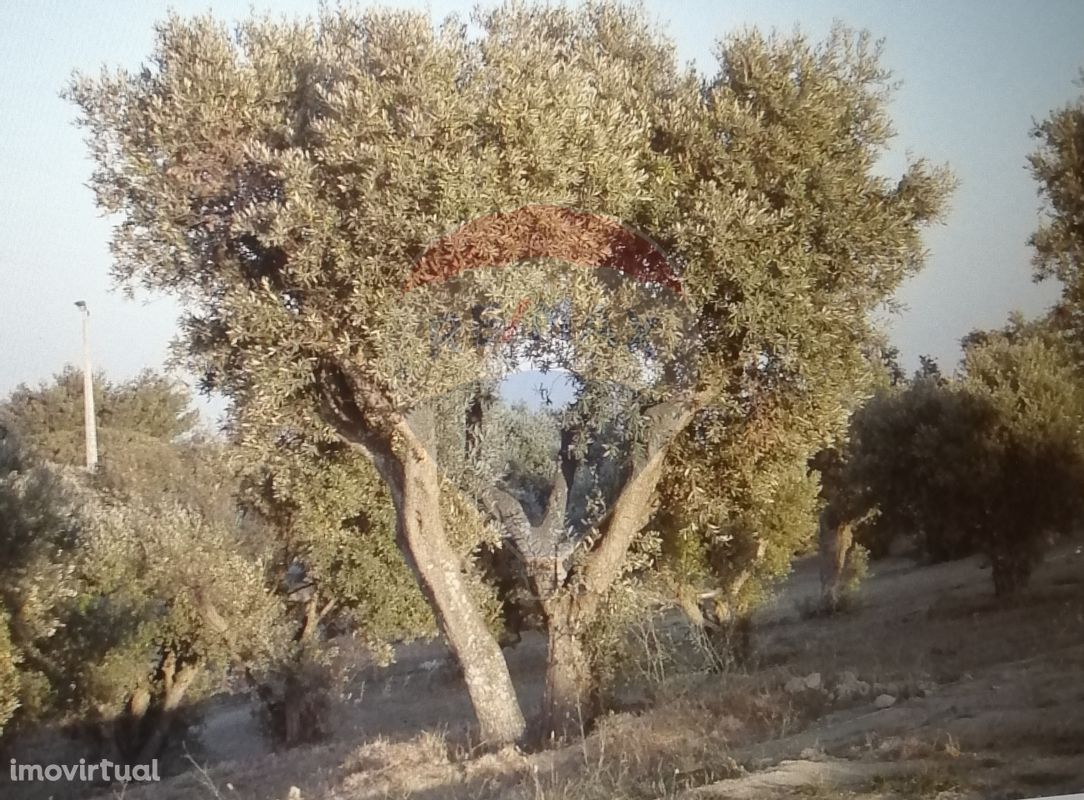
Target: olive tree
x=331 y=531
x=324 y=519
x=49 y=417
x=990 y=461
x=131 y=590
x=288 y=181
x=167 y=601
x=915 y=452
x=1028 y=375
x=38 y=529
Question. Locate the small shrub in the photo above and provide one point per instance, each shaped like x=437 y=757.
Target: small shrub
x=296 y=699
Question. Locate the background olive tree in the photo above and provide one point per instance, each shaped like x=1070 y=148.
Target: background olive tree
x=990 y=461
x=133 y=589
x=322 y=515
x=1057 y=164
x=50 y=415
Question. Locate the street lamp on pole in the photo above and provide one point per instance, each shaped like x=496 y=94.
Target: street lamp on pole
x=88 y=393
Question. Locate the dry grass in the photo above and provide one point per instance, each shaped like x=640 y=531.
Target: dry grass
x=988 y=698
x=685 y=741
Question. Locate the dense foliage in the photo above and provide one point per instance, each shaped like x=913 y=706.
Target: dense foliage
x=134 y=588
x=37 y=535
x=991 y=461
x=50 y=416
x=1058 y=167
x=9 y=673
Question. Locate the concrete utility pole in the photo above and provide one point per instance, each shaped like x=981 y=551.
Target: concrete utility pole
x=89 y=422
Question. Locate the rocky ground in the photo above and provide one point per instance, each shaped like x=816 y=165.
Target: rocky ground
x=925 y=688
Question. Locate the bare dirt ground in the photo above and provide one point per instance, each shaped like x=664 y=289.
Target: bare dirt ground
x=926 y=688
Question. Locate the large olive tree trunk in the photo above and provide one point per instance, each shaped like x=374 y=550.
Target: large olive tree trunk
x=572 y=599
x=440 y=572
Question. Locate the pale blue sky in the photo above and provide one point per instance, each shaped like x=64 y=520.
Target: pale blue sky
x=975 y=75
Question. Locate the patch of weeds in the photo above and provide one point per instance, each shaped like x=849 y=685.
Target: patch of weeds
x=924 y=785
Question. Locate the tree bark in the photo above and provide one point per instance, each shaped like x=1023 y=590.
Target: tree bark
x=571 y=601
x=364 y=417
x=440 y=572
x=569 y=704
x=836 y=540
x=293 y=701
x=632 y=508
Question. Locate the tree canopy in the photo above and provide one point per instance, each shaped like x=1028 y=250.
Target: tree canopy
x=286 y=179
x=50 y=415
x=1057 y=164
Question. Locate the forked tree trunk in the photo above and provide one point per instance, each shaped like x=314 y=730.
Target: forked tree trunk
x=413 y=479
x=440 y=572
x=571 y=602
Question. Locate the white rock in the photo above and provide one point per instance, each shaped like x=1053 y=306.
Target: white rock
x=884 y=701
x=801 y=683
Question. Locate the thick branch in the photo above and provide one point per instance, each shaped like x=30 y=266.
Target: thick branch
x=367 y=421
x=553 y=521
x=552 y=526
x=358 y=413
x=530 y=542
x=509 y=513
x=547 y=540
x=632 y=507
